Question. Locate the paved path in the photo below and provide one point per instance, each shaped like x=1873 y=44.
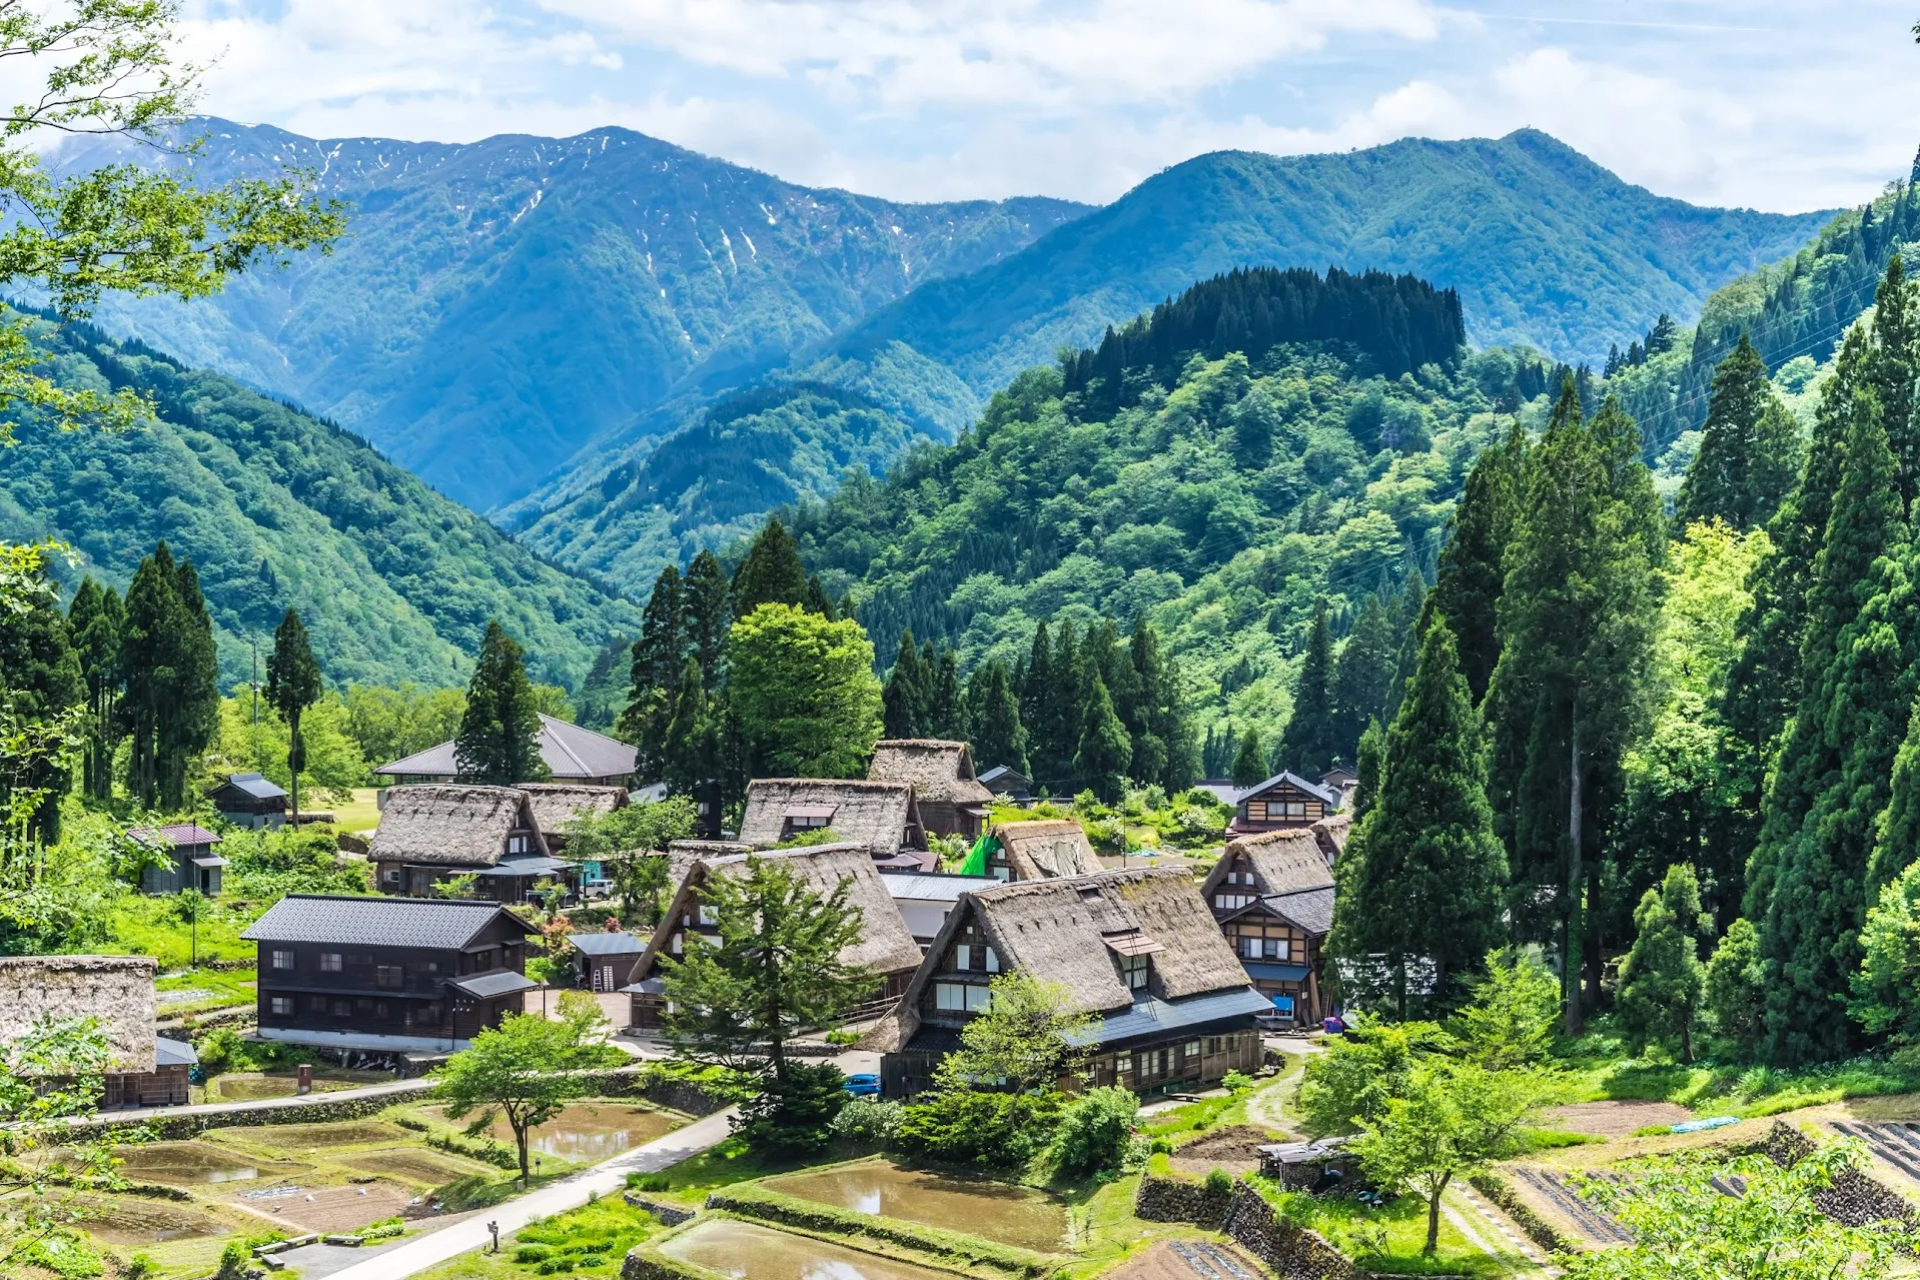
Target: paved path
x=141 y=1115
x=415 y=1256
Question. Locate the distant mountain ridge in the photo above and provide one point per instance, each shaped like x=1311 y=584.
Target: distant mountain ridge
x=496 y=305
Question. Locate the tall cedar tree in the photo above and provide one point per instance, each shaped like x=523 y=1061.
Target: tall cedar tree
x=771 y=572
x=40 y=682
x=1363 y=676
x=1369 y=769
x=499 y=739
x=95 y=622
x=904 y=699
x=1894 y=373
x=1424 y=875
x=1577 y=613
x=1105 y=749
x=657 y=658
x=708 y=598
x=1471 y=564
x=293 y=685
x=1306 y=745
x=1249 y=765
x=998 y=737
x=944 y=718
x=1749 y=448
x=172 y=695
x=1035 y=682
x=1057 y=735
x=1662 y=981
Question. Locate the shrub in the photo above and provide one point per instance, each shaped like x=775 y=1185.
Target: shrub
x=648 y=1182
x=1095 y=1133
x=962 y=1126
x=140 y=1266
x=222 y=1050
x=868 y=1121
x=235 y=1261
x=793 y=1117
x=1237 y=1081
x=1219 y=1182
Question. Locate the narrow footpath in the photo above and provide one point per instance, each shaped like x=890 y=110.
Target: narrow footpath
x=140 y=1115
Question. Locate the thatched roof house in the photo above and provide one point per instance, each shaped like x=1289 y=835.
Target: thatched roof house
x=1044 y=849
x=433 y=832
x=951 y=798
x=554 y=804
x=1273 y=895
x=1139 y=948
x=881 y=816
x=1271 y=862
x=1332 y=832
x=115 y=990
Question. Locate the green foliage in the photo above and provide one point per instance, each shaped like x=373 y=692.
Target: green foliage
x=1307 y=744
x=171 y=702
x=333 y=761
x=1236 y=1082
x=1025 y=1040
x=1886 y=990
x=520 y=1069
x=630 y=844
x=1662 y=982
x=1734 y=989
x=1472 y=574
x=793 y=1114
x=50 y=1078
x=805 y=693
x=965 y=1126
x=870 y=1122
x=392 y=723
x=1510 y=1021
x=498 y=742
x=1749 y=449
x=1351 y=1083
x=269 y=863
x=40 y=692
x=1095 y=1134
x=293 y=685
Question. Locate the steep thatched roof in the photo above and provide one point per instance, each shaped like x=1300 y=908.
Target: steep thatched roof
x=874 y=814
x=1047 y=849
x=1283 y=860
x=116 y=990
x=885 y=946
x=1332 y=832
x=939 y=770
x=452 y=824
x=553 y=803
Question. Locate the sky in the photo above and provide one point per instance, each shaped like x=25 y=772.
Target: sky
x=1771 y=104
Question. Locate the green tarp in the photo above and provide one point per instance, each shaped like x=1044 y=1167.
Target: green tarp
x=976 y=863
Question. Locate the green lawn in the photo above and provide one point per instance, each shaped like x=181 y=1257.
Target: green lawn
x=1389 y=1240
x=362 y=813
x=719 y=1166
x=144 y=926
x=198 y=990
x=589 y=1241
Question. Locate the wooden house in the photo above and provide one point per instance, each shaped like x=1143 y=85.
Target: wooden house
x=1139 y=949
x=1282 y=802
x=1008 y=783
x=1273 y=897
x=401 y=975
x=925 y=901
x=1332 y=832
x=430 y=833
x=605 y=959
x=186 y=859
x=950 y=799
x=1044 y=849
x=143 y=1070
x=880 y=816
x=571 y=754
x=555 y=804
x=249 y=800
x=885 y=947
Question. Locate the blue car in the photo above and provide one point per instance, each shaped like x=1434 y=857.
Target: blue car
x=863 y=1084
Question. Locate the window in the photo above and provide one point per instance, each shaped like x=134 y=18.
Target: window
x=993 y=959
x=1192 y=1049
x=1231 y=901
x=1134 y=970
x=281 y=1005
x=343 y=1008
x=330 y=962
x=963 y=957
x=950 y=997
x=430 y=966
x=517 y=844
x=390 y=976
x=283 y=959
x=1001 y=874
x=1296 y=808
x=380 y=1010
x=1256 y=810
x=318 y=1004
x=708 y=915
x=677 y=943
x=977 y=999
x=1213 y=1044
x=1280 y=948
x=390 y=876
x=1250 y=948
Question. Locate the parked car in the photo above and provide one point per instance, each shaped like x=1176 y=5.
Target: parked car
x=863 y=1084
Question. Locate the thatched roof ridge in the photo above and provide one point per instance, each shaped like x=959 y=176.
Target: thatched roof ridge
x=452 y=824
x=940 y=770
x=1332 y=832
x=554 y=803
x=1284 y=860
x=874 y=814
x=1047 y=848
x=115 y=990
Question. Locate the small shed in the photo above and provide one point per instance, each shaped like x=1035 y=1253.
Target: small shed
x=431 y=833
x=1310 y=1166
x=249 y=800
x=1008 y=783
x=951 y=800
x=605 y=961
x=188 y=859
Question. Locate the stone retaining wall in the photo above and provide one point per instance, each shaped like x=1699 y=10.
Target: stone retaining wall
x=1293 y=1253
x=667 y=1215
x=1162 y=1199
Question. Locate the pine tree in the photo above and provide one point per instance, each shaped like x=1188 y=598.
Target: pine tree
x=40 y=684
x=1894 y=372
x=1471 y=564
x=1749 y=448
x=95 y=622
x=904 y=714
x=1058 y=733
x=1424 y=876
x=945 y=716
x=197 y=715
x=293 y=685
x=1105 y=749
x=998 y=737
x=691 y=746
x=1249 y=766
x=1363 y=676
x=1662 y=982
x=817 y=601
x=1369 y=769
x=1577 y=616
x=657 y=658
x=499 y=739
x=771 y=572
x=1306 y=745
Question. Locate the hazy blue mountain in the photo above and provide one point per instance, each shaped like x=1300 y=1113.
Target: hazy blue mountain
x=497 y=305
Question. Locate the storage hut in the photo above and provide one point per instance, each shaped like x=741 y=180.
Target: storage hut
x=186 y=859
x=249 y=800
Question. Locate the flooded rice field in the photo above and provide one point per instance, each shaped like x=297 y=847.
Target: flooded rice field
x=127 y=1220
x=995 y=1210
x=195 y=1163
x=430 y=1168
x=745 y=1249
x=317 y=1137
x=585 y=1132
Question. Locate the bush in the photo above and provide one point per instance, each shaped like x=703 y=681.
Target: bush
x=962 y=1126
x=1095 y=1133
x=1237 y=1081
x=868 y=1121
x=648 y=1182
x=235 y=1261
x=1218 y=1182
x=222 y=1050
x=793 y=1117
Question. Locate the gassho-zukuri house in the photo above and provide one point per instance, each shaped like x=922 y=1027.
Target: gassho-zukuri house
x=1039 y=849
x=432 y=833
x=143 y=1069
x=395 y=975
x=885 y=947
x=1137 y=948
x=1273 y=896
x=881 y=817
x=571 y=754
x=950 y=799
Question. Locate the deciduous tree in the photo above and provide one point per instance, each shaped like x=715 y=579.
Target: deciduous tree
x=523 y=1070
x=804 y=690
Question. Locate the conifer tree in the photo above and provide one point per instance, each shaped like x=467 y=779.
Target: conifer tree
x=1471 y=564
x=903 y=699
x=817 y=601
x=1306 y=745
x=771 y=572
x=95 y=622
x=1895 y=371
x=1369 y=769
x=1249 y=766
x=691 y=746
x=1035 y=680
x=998 y=737
x=1424 y=876
x=1105 y=749
x=293 y=685
x=946 y=717
x=657 y=656
x=172 y=695
x=1662 y=982
x=1749 y=448
x=1363 y=676
x=1061 y=704
x=709 y=613
x=1577 y=617
x=498 y=743
x=40 y=683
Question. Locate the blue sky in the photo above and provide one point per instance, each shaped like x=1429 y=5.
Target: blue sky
x=1772 y=104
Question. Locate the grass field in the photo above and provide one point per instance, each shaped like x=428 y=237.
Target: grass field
x=144 y=926
x=589 y=1241
x=362 y=813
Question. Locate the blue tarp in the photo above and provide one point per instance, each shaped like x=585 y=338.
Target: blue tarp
x=1276 y=972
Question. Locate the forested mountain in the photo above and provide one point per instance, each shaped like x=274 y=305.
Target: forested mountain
x=498 y=304
x=277 y=509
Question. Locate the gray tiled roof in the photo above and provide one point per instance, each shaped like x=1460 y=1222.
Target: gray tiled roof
x=375 y=922
x=934 y=888
x=1152 y=1015
x=255 y=785
x=494 y=982
x=608 y=943
x=568 y=750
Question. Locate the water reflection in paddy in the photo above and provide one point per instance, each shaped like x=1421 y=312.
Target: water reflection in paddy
x=191 y=1163
x=1012 y=1215
x=587 y=1132
x=750 y=1252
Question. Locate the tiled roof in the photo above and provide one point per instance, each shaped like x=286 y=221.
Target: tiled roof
x=569 y=751
x=608 y=944
x=254 y=785
x=494 y=982
x=1326 y=795
x=914 y=888
x=376 y=922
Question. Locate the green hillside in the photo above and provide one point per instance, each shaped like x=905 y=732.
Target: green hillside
x=497 y=305
x=276 y=508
